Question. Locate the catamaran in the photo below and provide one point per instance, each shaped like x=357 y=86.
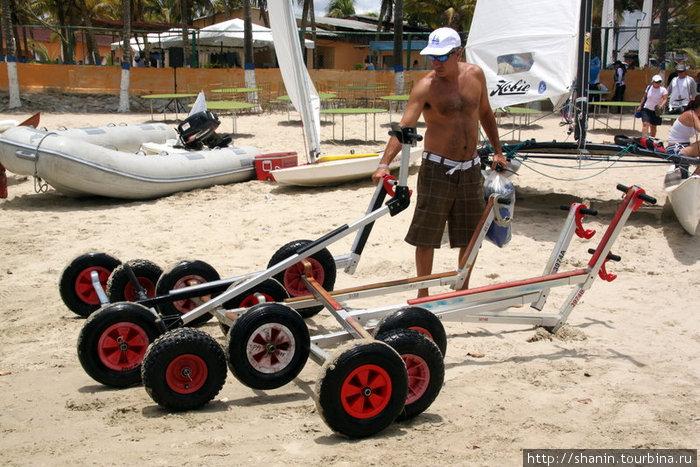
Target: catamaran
x=544 y=53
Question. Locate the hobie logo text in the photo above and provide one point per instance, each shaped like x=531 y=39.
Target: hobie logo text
x=508 y=88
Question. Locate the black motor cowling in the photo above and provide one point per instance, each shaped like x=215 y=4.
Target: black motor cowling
x=200 y=130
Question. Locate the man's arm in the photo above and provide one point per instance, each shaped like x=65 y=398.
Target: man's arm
x=414 y=107
x=488 y=123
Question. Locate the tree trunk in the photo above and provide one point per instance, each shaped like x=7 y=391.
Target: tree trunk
x=313 y=35
x=10 y=55
x=663 y=32
x=398 y=48
x=248 y=49
x=126 y=59
x=304 y=16
x=93 y=55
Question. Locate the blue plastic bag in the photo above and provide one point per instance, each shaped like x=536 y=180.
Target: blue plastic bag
x=499 y=232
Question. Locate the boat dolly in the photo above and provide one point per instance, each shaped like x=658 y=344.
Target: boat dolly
x=364 y=385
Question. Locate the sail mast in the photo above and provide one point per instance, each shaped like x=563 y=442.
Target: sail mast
x=297 y=81
x=582 y=77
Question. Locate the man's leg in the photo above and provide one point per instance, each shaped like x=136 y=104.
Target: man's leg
x=424 y=265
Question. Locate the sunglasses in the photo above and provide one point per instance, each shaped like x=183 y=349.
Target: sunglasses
x=442 y=58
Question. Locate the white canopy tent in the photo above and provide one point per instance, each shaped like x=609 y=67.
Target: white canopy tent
x=225 y=34
x=230 y=34
x=155 y=39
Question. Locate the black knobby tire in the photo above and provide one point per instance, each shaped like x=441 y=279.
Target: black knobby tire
x=184 y=369
x=267 y=291
x=323 y=265
x=185 y=274
x=75 y=284
x=425 y=366
x=362 y=388
x=267 y=346
x=418 y=319
x=121 y=289
x=114 y=340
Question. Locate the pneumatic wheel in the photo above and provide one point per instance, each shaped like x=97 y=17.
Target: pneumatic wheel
x=267 y=291
x=184 y=369
x=418 y=319
x=121 y=289
x=267 y=346
x=362 y=388
x=75 y=285
x=113 y=342
x=185 y=274
x=425 y=366
x=323 y=269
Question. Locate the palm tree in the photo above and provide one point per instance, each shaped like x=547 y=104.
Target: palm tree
x=307 y=12
x=398 y=47
x=85 y=11
x=249 y=63
x=10 y=55
x=456 y=14
x=126 y=57
x=341 y=8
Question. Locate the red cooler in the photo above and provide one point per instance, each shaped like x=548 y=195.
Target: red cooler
x=265 y=163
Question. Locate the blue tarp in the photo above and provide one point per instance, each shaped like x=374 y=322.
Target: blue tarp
x=384 y=46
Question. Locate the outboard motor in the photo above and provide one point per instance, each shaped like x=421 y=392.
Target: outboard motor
x=200 y=129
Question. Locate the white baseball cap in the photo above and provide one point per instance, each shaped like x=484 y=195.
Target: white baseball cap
x=442 y=41
x=656 y=79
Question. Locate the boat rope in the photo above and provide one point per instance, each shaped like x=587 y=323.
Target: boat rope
x=613 y=159
x=40 y=186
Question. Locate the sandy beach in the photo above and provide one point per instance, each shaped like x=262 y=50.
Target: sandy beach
x=624 y=374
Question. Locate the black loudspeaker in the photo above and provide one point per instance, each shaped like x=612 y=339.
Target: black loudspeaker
x=176 y=57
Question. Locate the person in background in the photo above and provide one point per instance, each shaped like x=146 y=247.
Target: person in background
x=682 y=90
x=594 y=78
x=453 y=100
x=368 y=64
x=654 y=98
x=620 y=86
x=683 y=137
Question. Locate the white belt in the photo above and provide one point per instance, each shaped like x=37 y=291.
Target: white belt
x=454 y=165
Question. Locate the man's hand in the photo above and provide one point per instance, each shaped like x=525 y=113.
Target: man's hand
x=499 y=160
x=379 y=175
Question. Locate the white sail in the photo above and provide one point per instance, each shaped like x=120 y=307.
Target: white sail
x=296 y=78
x=528 y=50
x=644 y=33
x=607 y=34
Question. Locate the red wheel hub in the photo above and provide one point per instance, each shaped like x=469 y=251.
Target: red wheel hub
x=83 y=284
x=418 y=377
x=253 y=299
x=186 y=374
x=188 y=304
x=130 y=294
x=366 y=391
x=292 y=277
x=122 y=346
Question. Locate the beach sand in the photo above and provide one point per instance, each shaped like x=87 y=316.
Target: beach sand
x=623 y=374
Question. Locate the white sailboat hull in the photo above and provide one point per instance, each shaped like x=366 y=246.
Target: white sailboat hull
x=337 y=171
x=684 y=196
x=76 y=166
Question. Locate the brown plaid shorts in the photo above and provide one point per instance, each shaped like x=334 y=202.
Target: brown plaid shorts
x=457 y=199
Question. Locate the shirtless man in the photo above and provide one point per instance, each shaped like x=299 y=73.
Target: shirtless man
x=453 y=100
